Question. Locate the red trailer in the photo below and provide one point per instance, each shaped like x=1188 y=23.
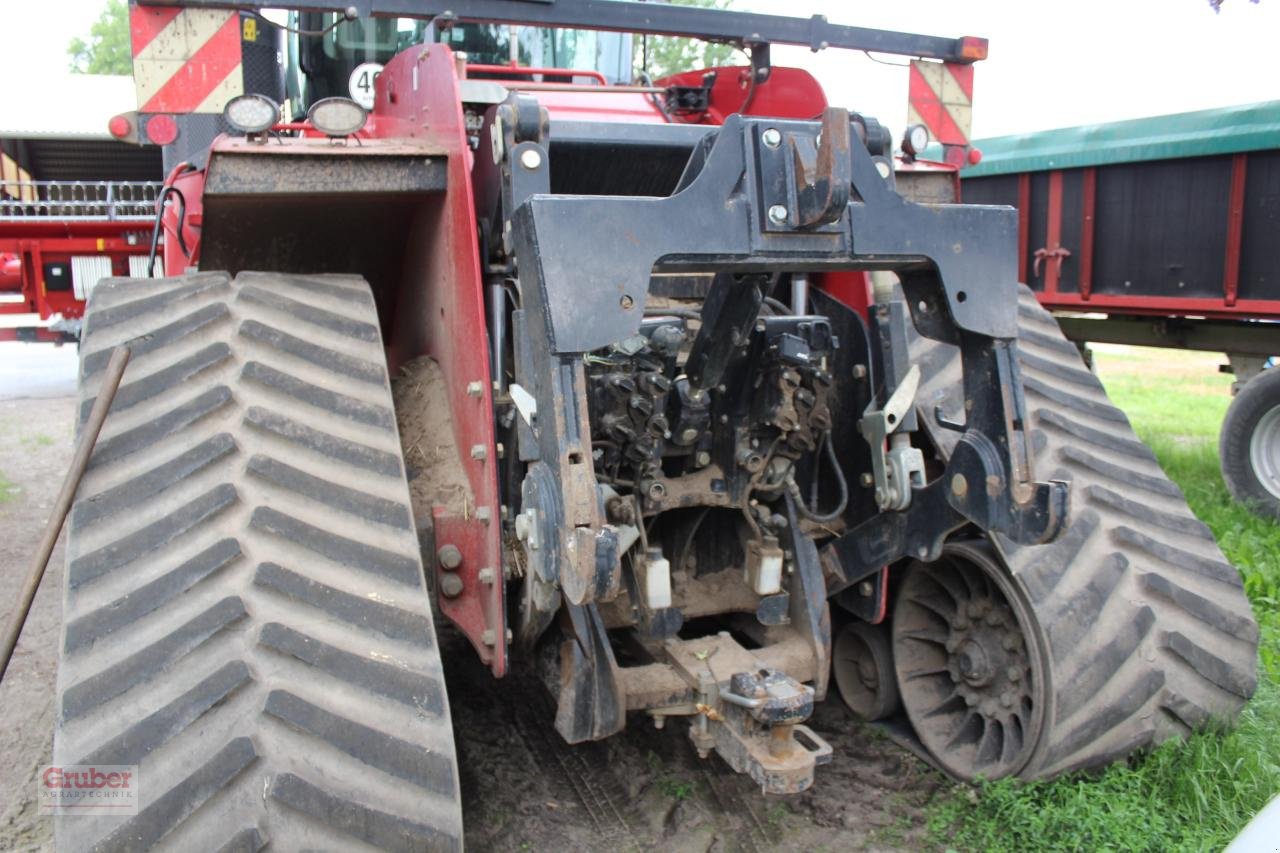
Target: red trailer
x=1161 y=232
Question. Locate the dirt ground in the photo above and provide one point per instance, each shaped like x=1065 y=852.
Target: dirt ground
x=523 y=788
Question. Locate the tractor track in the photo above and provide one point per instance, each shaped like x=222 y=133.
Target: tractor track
x=245 y=615
x=1147 y=629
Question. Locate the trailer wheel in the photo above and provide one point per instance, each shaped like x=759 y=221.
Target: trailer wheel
x=1145 y=626
x=245 y=617
x=1249 y=445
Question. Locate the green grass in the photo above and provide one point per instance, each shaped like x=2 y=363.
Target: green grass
x=1194 y=795
x=8 y=489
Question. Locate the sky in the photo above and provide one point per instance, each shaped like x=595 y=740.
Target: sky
x=1052 y=64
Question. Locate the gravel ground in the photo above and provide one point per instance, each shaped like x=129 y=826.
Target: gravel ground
x=523 y=789
x=35 y=449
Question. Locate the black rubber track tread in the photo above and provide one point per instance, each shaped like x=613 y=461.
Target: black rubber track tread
x=131 y=302
x=359 y=821
x=394 y=622
x=352 y=501
x=145 y=486
x=319 y=319
x=331 y=447
x=1147 y=629
x=345 y=405
x=165 y=379
x=245 y=613
x=356 y=368
x=160 y=337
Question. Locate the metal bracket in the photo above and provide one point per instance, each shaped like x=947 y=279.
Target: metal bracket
x=899 y=468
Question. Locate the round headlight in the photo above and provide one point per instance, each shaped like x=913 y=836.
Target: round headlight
x=915 y=140
x=251 y=113
x=337 y=116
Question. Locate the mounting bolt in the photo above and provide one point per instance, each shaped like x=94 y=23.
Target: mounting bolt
x=488 y=637
x=1006 y=698
x=859 y=371
x=868 y=480
x=959 y=486
x=1014 y=673
x=484 y=514
x=530 y=158
x=771 y=137
x=778 y=214
x=866 y=588
x=703 y=458
x=486 y=576
x=479 y=452
x=450 y=586
x=659 y=721
x=449 y=557
x=475 y=388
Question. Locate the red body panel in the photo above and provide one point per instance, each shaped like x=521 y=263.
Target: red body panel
x=185 y=211
x=441 y=313
x=787 y=93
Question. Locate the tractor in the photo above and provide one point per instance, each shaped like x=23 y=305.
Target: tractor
x=687 y=395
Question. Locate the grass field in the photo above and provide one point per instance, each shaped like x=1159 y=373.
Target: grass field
x=1182 y=796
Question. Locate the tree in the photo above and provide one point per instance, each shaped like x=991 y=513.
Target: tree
x=663 y=55
x=107 y=50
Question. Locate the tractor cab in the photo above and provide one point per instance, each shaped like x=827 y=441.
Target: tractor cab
x=330 y=56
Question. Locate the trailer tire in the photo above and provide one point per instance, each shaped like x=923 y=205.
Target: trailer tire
x=245 y=615
x=1249 y=445
x=1147 y=629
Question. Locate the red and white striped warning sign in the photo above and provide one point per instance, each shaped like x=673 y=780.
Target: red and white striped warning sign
x=941 y=98
x=185 y=60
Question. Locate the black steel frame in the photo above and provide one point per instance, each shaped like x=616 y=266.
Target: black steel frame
x=747 y=28
x=806 y=197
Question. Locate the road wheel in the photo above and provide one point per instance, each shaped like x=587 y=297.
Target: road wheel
x=970 y=667
x=1146 y=629
x=1249 y=445
x=245 y=615
x=862 y=664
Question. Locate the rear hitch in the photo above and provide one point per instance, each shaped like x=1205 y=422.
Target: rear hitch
x=750 y=718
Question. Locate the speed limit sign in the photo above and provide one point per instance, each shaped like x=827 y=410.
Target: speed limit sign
x=361 y=82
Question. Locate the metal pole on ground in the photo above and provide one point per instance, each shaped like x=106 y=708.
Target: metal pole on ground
x=80 y=461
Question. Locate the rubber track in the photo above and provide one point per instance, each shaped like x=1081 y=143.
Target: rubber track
x=245 y=613
x=1148 y=631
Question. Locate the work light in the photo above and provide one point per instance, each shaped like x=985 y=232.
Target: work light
x=337 y=116
x=251 y=113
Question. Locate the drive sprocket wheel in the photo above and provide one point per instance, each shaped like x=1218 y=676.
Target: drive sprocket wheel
x=862 y=663
x=970 y=671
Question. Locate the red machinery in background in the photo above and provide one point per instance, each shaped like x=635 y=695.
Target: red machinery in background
x=57 y=238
